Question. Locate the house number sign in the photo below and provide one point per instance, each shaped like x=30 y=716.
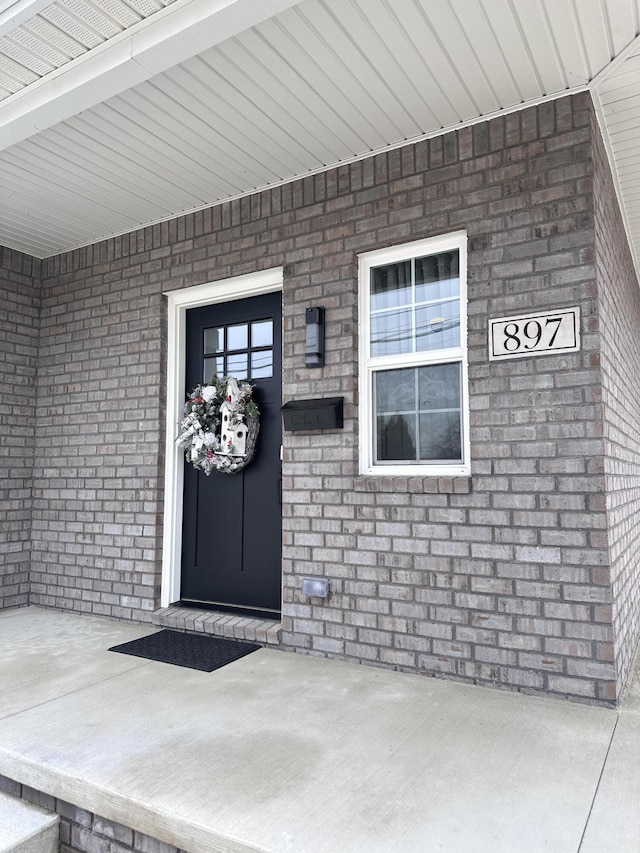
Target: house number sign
x=534 y=334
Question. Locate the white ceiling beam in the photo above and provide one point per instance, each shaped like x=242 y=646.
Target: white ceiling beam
x=171 y=36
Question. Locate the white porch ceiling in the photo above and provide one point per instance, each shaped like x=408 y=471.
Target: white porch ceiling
x=185 y=103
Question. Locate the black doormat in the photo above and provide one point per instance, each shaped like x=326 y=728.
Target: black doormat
x=196 y=651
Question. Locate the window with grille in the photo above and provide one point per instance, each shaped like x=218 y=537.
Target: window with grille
x=413 y=363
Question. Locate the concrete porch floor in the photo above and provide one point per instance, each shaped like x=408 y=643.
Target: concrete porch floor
x=289 y=753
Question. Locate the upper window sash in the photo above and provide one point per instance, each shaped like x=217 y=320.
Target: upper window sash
x=414 y=305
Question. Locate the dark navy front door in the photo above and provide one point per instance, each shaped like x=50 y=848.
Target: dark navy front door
x=232 y=527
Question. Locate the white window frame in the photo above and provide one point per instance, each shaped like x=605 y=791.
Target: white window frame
x=370 y=365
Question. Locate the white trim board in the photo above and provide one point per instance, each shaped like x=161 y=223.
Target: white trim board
x=178 y=303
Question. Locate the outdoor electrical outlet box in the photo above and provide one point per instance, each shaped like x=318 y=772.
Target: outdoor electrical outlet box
x=313 y=414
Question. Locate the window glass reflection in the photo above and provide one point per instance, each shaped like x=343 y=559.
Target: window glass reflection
x=440 y=437
x=396 y=438
x=213 y=340
x=437 y=276
x=391 y=333
x=238 y=337
x=238 y=365
x=262 y=333
x=262 y=364
x=438 y=326
x=213 y=367
x=439 y=386
x=415 y=305
x=418 y=414
x=391 y=286
x=396 y=391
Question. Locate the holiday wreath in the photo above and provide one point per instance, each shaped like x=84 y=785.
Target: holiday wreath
x=220 y=426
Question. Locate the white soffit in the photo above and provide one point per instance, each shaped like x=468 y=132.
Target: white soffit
x=38 y=37
x=234 y=104
x=618 y=100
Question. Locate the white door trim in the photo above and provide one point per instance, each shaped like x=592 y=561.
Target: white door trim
x=178 y=302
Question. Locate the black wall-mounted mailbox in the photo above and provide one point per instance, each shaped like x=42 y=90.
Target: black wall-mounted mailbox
x=313 y=414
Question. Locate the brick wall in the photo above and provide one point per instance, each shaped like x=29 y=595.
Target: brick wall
x=82 y=831
x=19 y=306
x=619 y=319
x=98 y=473
x=501 y=578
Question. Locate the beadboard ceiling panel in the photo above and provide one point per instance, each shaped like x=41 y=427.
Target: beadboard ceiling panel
x=115 y=114
x=619 y=101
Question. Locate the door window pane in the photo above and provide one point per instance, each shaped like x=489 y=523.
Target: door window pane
x=238 y=365
x=262 y=364
x=213 y=340
x=213 y=367
x=241 y=361
x=262 y=333
x=238 y=337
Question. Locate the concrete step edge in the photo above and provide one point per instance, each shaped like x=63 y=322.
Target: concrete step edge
x=25 y=828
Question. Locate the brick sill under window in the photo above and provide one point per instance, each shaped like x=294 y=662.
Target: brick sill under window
x=415 y=485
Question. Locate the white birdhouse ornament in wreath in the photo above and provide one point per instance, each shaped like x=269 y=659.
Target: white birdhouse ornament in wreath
x=220 y=426
x=233 y=430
